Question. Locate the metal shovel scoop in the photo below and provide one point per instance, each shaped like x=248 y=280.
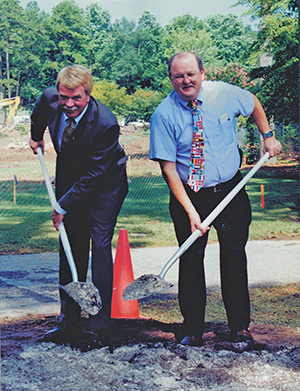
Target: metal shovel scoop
x=149 y=284
x=84 y=293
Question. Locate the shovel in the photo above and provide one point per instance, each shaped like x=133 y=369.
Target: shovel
x=84 y=293
x=149 y=284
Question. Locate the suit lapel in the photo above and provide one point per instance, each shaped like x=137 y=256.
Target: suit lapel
x=85 y=125
x=53 y=129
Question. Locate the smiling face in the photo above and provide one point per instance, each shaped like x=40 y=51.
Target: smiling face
x=185 y=76
x=73 y=101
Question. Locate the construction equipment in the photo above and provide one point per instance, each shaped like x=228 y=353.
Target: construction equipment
x=14 y=104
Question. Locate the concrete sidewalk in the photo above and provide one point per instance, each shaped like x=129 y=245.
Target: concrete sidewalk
x=29 y=283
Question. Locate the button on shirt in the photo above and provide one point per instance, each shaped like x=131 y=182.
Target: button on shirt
x=172 y=130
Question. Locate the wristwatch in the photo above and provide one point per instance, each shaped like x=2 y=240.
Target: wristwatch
x=268 y=134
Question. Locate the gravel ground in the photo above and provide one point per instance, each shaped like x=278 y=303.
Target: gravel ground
x=142 y=354
x=141 y=367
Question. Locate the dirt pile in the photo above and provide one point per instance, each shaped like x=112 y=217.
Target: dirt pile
x=143 y=355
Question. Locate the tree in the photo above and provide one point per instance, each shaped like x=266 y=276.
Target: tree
x=11 y=14
x=138 y=55
x=231 y=37
x=31 y=58
x=148 y=37
x=278 y=37
x=68 y=35
x=187 y=33
x=143 y=103
x=98 y=30
x=112 y=95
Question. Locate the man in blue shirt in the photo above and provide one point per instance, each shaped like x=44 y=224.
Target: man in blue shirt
x=170 y=144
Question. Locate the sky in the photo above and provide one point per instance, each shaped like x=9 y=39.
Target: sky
x=163 y=10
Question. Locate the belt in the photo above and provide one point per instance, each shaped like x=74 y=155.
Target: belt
x=220 y=186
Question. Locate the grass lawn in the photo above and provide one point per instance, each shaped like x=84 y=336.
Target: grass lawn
x=145 y=213
x=149 y=224
x=278 y=305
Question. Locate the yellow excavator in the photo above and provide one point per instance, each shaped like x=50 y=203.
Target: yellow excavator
x=14 y=104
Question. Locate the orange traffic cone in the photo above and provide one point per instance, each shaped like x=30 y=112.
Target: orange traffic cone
x=123 y=276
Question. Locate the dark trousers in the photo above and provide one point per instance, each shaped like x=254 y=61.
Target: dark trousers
x=81 y=234
x=83 y=230
x=232 y=227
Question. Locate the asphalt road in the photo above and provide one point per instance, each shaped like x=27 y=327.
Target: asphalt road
x=29 y=283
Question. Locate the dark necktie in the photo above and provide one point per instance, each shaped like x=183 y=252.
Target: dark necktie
x=196 y=176
x=68 y=133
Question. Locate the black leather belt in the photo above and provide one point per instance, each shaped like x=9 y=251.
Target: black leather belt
x=221 y=185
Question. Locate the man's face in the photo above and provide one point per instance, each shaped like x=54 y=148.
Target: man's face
x=74 y=101
x=186 y=77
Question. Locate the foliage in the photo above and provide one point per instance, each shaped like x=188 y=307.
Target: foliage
x=35 y=45
x=277 y=39
x=230 y=73
x=10 y=44
x=112 y=95
x=185 y=33
x=143 y=103
x=231 y=37
x=140 y=105
x=290 y=139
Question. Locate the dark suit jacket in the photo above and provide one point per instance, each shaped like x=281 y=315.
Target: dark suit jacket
x=94 y=168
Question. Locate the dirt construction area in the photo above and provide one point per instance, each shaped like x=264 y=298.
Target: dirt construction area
x=141 y=354
x=138 y=354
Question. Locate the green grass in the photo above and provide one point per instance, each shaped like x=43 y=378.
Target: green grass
x=278 y=305
x=25 y=227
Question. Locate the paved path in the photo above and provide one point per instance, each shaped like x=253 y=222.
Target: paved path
x=28 y=283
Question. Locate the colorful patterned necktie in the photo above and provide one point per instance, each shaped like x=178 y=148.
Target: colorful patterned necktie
x=196 y=176
x=68 y=133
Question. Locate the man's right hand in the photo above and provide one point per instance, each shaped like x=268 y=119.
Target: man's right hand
x=174 y=182
x=56 y=218
x=34 y=145
x=196 y=222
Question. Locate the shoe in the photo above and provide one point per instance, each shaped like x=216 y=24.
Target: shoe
x=244 y=336
x=61 y=333
x=191 y=340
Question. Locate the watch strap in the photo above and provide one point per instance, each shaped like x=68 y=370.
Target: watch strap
x=268 y=134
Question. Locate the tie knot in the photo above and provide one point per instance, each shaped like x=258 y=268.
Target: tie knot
x=194 y=105
x=71 y=121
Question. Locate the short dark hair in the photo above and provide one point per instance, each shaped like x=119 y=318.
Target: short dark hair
x=200 y=64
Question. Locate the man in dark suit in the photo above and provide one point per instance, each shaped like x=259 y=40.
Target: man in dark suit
x=91 y=185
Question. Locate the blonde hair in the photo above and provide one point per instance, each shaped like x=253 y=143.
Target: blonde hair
x=74 y=76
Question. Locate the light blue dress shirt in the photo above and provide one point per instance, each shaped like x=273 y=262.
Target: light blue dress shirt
x=171 y=129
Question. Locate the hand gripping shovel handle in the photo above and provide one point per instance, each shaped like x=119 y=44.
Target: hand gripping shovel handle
x=61 y=227
x=210 y=218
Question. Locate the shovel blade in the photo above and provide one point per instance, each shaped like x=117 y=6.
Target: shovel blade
x=144 y=286
x=86 y=295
